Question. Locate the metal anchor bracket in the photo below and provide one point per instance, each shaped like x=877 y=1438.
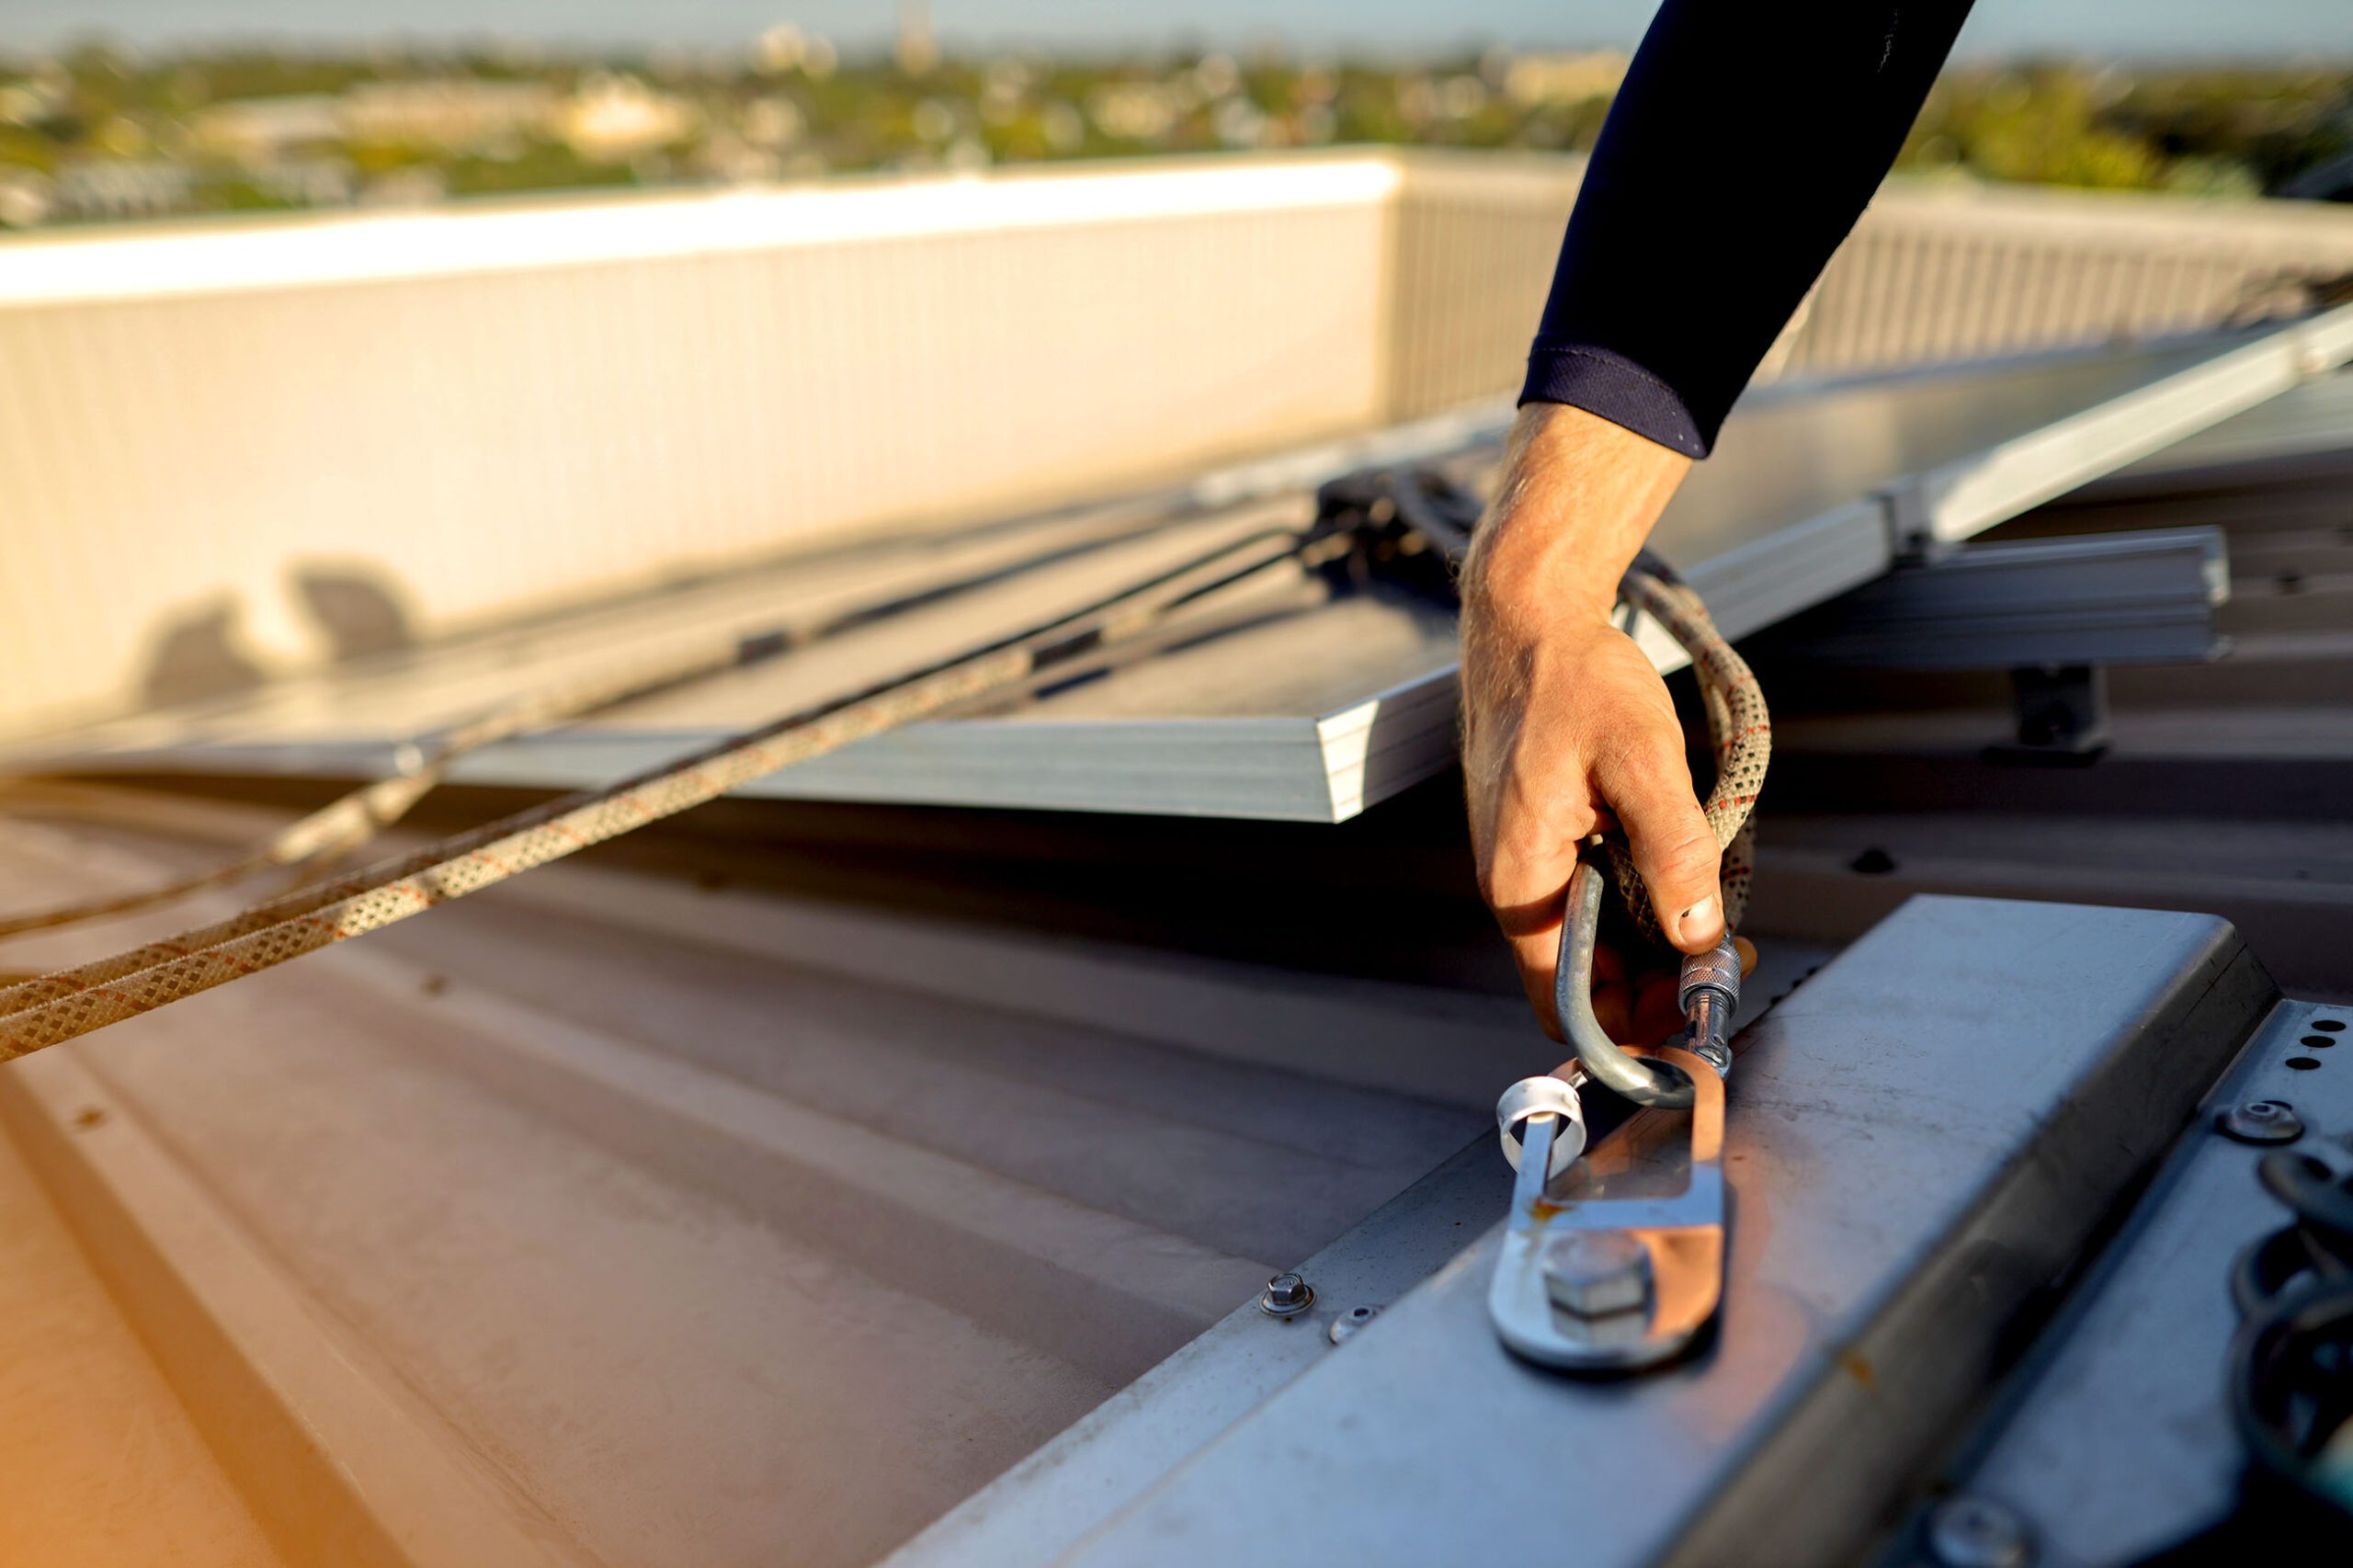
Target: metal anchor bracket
x=1618 y=1264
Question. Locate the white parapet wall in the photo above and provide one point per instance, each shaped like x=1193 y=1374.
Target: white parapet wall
x=479 y=412
x=219 y=440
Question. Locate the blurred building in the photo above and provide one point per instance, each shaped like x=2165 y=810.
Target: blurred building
x=917 y=49
x=614 y=115
x=456 y=115
x=1565 y=78
x=118 y=188
x=258 y=130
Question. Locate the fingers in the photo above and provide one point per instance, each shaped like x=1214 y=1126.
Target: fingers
x=1615 y=1004
x=1527 y=826
x=1536 y=980
x=1529 y=914
x=1537 y=955
x=1648 y=784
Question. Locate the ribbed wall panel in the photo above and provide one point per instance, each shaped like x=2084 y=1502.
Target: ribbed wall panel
x=1933 y=274
x=1476 y=237
x=1929 y=273
x=509 y=409
x=478 y=443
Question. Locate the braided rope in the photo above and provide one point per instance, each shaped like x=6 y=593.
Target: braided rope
x=1739 y=727
x=315 y=842
x=350 y=820
x=44 y=1010
x=51 y=1008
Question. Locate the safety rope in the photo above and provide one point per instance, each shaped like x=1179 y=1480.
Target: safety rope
x=47 y=1009
x=336 y=830
x=348 y=821
x=1739 y=728
x=51 y=1008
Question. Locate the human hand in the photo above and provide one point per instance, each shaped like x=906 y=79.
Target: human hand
x=1567 y=729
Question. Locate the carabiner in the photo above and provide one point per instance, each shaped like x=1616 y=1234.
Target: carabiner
x=1644 y=1083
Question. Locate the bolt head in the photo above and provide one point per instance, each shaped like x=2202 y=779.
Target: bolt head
x=2262 y=1121
x=1597 y=1273
x=1287 y=1295
x=1976 y=1532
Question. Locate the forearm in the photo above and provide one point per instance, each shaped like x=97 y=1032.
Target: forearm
x=1748 y=138
x=1575 y=499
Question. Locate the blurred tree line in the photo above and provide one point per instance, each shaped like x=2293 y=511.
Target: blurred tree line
x=101 y=131
x=2210 y=130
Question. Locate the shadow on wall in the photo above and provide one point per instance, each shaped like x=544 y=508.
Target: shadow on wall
x=200 y=655
x=353 y=612
x=197 y=657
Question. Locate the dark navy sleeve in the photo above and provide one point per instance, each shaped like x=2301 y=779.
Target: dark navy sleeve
x=1746 y=141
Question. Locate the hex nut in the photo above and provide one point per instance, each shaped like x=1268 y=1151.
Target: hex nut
x=1976 y=1532
x=1286 y=1296
x=1597 y=1273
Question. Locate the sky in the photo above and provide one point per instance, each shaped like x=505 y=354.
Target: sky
x=2103 y=28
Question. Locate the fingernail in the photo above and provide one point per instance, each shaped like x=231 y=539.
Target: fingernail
x=1701 y=916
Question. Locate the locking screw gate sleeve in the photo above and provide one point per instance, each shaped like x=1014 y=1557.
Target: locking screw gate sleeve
x=1710 y=995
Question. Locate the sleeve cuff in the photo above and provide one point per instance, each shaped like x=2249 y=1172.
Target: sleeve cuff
x=1618 y=389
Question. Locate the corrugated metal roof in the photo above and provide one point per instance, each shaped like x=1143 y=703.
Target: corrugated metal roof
x=761 y=1189
x=686 y=1225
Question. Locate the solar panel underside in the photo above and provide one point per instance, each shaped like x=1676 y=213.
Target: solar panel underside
x=1288 y=696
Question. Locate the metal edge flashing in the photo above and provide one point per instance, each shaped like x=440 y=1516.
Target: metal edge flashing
x=1947 y=1336
x=1909 y=1178
x=1120 y=1449
x=2155 y=1293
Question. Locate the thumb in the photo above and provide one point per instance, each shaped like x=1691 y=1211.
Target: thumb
x=1650 y=788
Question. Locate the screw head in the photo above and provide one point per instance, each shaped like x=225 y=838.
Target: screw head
x=1286 y=1296
x=1976 y=1532
x=2262 y=1121
x=1596 y=1273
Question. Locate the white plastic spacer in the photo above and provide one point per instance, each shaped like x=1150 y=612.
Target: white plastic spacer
x=1534 y=1097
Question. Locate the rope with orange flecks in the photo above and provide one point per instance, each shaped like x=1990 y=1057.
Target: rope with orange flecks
x=1738 y=725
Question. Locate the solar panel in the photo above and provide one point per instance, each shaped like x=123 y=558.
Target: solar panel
x=1289 y=697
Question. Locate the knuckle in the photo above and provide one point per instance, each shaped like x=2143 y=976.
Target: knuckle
x=1507 y=879
x=1686 y=859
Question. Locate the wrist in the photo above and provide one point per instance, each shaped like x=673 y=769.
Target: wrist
x=1573 y=503
x=1527 y=571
